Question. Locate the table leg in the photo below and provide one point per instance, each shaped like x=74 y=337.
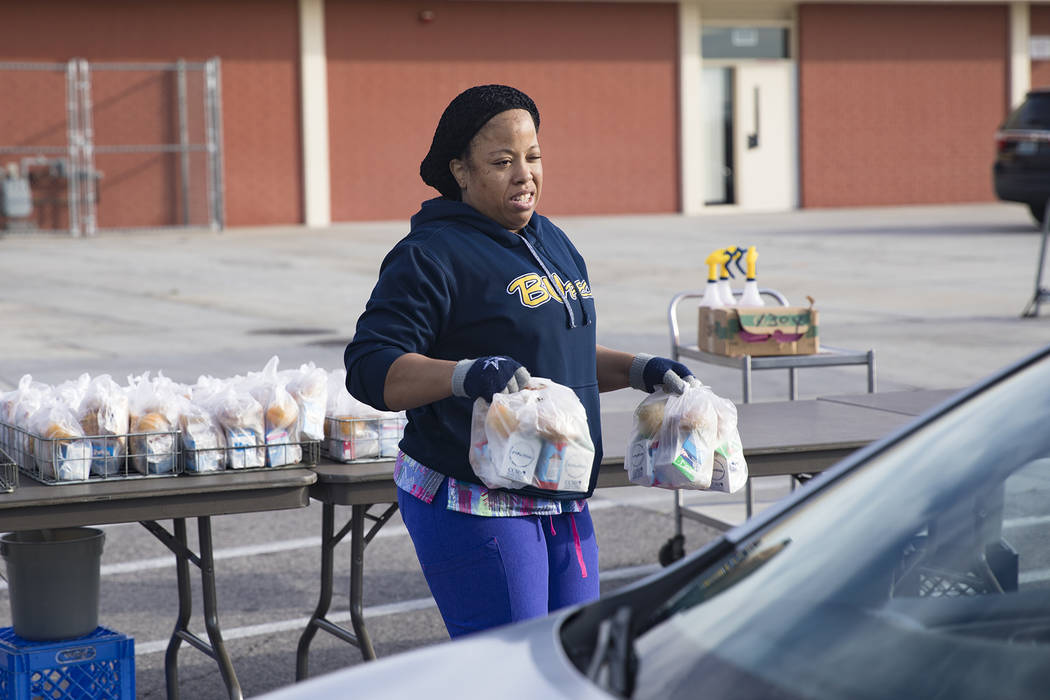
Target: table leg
x=182 y=570
x=328 y=542
x=178 y=544
x=211 y=612
x=358 y=541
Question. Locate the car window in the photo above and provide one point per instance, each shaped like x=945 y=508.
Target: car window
x=1034 y=113
x=923 y=573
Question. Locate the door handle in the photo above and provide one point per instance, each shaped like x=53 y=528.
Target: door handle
x=752 y=138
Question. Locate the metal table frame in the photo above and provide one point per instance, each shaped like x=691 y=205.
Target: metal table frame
x=34 y=506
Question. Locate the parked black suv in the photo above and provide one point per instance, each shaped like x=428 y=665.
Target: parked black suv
x=1022 y=166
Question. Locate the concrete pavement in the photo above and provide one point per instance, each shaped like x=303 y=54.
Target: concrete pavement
x=936 y=291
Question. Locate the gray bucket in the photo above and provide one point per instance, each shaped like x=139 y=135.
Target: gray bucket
x=52 y=576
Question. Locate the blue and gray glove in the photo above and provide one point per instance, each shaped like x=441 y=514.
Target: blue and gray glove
x=485 y=376
x=648 y=371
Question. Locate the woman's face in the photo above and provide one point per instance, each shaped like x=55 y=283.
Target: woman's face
x=502 y=173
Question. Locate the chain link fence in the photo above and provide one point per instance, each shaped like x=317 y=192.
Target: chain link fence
x=86 y=147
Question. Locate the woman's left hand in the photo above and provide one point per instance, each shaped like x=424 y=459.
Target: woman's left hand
x=648 y=372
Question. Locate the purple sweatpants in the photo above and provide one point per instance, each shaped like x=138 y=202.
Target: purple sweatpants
x=488 y=571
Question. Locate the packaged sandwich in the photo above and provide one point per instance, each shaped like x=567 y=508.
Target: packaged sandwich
x=60 y=450
x=677 y=441
x=243 y=423
x=281 y=415
x=535 y=437
x=353 y=430
x=203 y=441
x=308 y=385
x=104 y=417
x=153 y=419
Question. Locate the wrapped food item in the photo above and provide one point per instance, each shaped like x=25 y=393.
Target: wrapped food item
x=535 y=437
x=153 y=419
x=104 y=418
x=26 y=399
x=61 y=452
x=678 y=440
x=391 y=430
x=729 y=469
x=308 y=385
x=281 y=415
x=203 y=442
x=354 y=431
x=241 y=417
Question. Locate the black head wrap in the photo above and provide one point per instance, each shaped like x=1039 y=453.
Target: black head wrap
x=465 y=115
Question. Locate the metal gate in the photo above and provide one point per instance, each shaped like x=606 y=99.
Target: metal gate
x=86 y=146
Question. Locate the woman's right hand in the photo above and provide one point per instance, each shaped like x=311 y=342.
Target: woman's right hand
x=485 y=376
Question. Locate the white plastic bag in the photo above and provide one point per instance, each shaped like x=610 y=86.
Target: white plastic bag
x=308 y=385
x=280 y=415
x=153 y=412
x=203 y=441
x=241 y=417
x=61 y=452
x=354 y=431
x=104 y=416
x=686 y=441
x=534 y=437
x=729 y=472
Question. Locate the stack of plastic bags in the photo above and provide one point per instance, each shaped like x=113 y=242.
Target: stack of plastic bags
x=687 y=441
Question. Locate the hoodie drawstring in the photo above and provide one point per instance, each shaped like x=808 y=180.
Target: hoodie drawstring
x=550 y=278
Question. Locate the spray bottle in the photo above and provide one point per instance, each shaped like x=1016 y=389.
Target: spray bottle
x=724 y=288
x=751 y=297
x=712 y=296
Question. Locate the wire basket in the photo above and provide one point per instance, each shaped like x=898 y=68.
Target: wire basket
x=8 y=473
x=64 y=460
x=244 y=450
x=350 y=439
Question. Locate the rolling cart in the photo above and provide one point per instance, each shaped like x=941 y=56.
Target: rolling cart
x=674 y=548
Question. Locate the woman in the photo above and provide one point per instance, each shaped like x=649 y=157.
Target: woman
x=481 y=293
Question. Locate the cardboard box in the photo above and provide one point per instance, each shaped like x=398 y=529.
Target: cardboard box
x=759 y=330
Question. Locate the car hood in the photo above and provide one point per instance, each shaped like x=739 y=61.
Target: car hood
x=524 y=660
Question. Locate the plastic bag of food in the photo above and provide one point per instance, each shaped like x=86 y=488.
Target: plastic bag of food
x=61 y=452
x=353 y=430
x=678 y=440
x=105 y=419
x=280 y=415
x=202 y=438
x=153 y=420
x=729 y=470
x=534 y=437
x=308 y=385
x=23 y=402
x=243 y=423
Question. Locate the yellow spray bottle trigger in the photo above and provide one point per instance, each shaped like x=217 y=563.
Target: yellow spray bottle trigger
x=713 y=260
x=752 y=258
x=724 y=256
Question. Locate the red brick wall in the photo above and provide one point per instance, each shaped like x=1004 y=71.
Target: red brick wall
x=1040 y=25
x=604 y=77
x=258 y=44
x=899 y=103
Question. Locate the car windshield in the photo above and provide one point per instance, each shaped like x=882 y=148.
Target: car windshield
x=923 y=573
x=1034 y=113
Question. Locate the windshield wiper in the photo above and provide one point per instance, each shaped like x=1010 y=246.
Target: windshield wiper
x=614 y=664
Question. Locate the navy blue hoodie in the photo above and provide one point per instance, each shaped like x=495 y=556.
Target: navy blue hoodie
x=461 y=286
